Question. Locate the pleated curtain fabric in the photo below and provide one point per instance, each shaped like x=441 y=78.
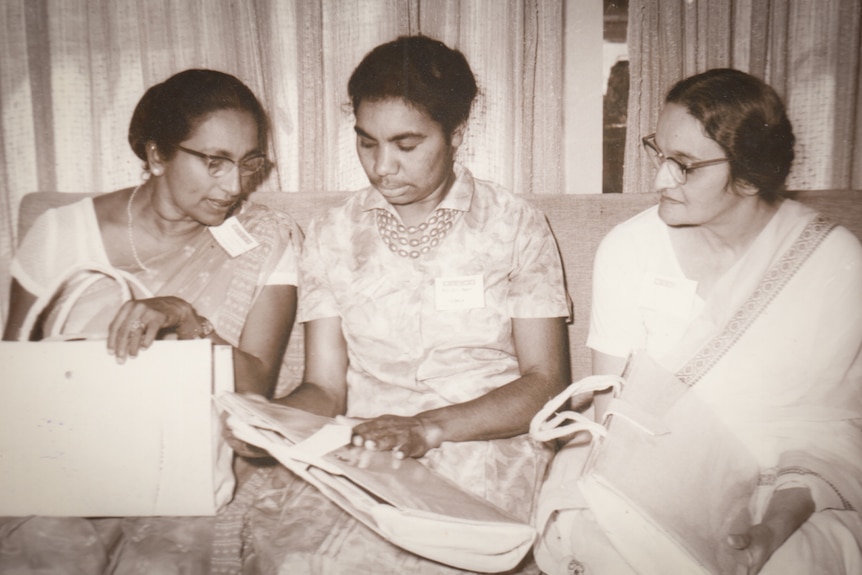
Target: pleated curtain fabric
x=808 y=51
x=71 y=72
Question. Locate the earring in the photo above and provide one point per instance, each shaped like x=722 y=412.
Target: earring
x=156 y=170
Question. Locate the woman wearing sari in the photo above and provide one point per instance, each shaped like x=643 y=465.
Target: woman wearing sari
x=202 y=136
x=753 y=303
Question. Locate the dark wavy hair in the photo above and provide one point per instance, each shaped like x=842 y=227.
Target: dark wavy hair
x=747 y=118
x=423 y=72
x=168 y=112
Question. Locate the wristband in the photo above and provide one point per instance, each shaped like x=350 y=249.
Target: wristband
x=204 y=329
x=433 y=434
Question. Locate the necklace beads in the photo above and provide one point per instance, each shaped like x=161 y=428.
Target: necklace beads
x=414 y=241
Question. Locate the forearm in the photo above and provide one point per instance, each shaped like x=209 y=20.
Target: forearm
x=315 y=399
x=542 y=348
x=251 y=374
x=258 y=354
x=787 y=511
x=501 y=413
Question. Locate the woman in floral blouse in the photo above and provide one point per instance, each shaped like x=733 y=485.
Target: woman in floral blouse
x=435 y=309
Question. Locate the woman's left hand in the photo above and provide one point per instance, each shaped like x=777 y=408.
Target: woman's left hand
x=405 y=436
x=138 y=322
x=788 y=509
x=752 y=549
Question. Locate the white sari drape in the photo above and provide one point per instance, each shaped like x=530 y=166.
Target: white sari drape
x=788 y=381
x=776 y=356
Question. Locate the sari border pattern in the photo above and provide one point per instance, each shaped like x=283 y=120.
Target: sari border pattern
x=778 y=275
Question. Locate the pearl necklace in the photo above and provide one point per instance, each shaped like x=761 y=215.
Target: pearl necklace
x=131 y=230
x=406 y=241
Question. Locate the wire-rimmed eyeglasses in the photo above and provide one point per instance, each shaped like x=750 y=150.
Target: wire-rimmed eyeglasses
x=217 y=166
x=678 y=169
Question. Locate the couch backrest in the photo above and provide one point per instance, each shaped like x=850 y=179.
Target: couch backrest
x=579 y=223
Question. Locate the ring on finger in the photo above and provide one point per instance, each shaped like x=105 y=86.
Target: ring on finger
x=136 y=325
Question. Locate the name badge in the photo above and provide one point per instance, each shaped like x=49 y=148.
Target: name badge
x=670 y=295
x=459 y=293
x=233 y=237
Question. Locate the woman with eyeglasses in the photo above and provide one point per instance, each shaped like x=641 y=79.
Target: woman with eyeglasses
x=202 y=137
x=751 y=304
x=220 y=267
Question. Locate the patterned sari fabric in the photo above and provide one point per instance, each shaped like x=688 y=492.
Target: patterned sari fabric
x=775 y=351
x=220 y=288
x=407 y=356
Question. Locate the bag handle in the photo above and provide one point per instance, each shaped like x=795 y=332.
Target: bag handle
x=125 y=280
x=550 y=424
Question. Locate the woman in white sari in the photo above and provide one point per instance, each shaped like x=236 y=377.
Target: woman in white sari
x=754 y=302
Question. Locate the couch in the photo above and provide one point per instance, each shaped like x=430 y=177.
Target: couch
x=579 y=223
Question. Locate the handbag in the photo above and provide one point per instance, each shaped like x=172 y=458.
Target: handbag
x=61 y=297
x=81 y=435
x=403 y=501
x=662 y=513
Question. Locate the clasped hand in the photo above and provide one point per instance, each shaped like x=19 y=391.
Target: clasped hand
x=138 y=323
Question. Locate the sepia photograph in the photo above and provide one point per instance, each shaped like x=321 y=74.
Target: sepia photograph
x=340 y=287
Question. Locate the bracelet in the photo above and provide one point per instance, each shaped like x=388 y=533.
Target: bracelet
x=433 y=434
x=204 y=329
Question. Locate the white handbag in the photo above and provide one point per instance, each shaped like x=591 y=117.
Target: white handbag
x=662 y=513
x=81 y=435
x=403 y=501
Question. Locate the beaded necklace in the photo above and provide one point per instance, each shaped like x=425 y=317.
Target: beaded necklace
x=413 y=241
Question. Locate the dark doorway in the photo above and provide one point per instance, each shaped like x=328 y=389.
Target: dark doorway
x=616 y=94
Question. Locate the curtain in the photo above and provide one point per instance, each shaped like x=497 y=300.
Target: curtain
x=809 y=51
x=71 y=72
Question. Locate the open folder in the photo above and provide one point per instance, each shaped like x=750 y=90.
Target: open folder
x=402 y=500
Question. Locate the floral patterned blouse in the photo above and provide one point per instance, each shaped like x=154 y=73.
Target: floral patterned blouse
x=435 y=330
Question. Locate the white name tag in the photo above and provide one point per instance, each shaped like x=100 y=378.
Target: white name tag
x=233 y=237
x=459 y=292
x=674 y=296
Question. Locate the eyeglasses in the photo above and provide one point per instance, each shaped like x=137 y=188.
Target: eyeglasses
x=678 y=169
x=218 y=166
